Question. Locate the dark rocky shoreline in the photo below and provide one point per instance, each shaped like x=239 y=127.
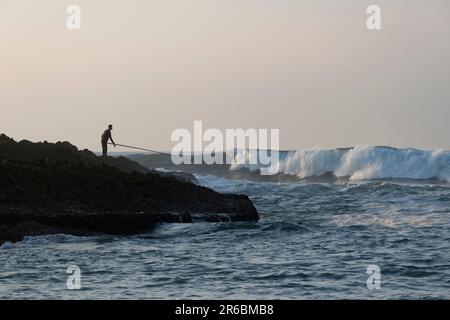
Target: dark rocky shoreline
x=50 y=188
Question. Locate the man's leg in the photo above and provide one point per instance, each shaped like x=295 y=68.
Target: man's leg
x=105 y=150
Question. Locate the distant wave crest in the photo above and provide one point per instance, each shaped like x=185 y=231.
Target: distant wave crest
x=364 y=163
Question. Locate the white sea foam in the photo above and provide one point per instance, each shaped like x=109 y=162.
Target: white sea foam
x=365 y=163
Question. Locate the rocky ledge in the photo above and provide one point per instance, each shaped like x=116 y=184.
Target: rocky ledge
x=50 y=188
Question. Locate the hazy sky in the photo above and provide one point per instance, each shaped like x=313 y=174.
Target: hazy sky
x=309 y=68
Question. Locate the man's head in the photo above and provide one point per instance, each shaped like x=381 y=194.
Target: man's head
x=110 y=127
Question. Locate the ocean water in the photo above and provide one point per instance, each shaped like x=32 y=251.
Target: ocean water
x=326 y=217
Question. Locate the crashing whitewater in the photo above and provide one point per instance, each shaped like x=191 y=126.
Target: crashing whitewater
x=362 y=163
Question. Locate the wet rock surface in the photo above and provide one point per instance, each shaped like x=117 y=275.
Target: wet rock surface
x=50 y=188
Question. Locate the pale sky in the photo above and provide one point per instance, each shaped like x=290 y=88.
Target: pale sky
x=309 y=68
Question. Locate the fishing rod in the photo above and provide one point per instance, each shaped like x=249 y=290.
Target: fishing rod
x=137 y=148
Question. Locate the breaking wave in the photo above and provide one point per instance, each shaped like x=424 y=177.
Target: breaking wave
x=362 y=163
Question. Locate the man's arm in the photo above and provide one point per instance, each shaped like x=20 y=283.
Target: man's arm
x=110 y=137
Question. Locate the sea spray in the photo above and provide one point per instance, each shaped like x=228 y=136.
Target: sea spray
x=364 y=163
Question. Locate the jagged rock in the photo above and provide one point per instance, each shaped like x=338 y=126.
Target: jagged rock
x=55 y=188
x=66 y=152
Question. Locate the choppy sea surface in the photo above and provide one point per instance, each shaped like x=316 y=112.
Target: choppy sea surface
x=315 y=240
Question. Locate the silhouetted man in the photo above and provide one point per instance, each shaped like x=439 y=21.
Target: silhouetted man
x=105 y=137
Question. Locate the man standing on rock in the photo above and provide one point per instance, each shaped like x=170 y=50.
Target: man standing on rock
x=105 y=137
